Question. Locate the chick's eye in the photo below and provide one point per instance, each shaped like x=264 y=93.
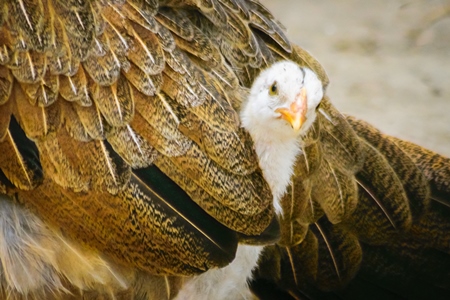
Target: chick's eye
x=273 y=90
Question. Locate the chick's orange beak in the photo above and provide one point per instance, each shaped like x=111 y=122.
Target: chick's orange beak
x=296 y=113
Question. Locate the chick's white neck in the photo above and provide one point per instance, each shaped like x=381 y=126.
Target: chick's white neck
x=277 y=156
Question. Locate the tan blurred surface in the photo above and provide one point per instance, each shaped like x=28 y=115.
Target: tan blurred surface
x=382 y=67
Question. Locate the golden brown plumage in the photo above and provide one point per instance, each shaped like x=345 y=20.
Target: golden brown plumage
x=123 y=165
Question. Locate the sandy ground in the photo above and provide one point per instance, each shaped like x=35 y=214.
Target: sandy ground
x=385 y=64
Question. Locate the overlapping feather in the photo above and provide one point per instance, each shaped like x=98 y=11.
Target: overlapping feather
x=94 y=93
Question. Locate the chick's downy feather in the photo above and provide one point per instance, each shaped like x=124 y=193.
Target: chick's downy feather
x=277 y=144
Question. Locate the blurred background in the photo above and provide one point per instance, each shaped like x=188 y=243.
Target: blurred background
x=388 y=61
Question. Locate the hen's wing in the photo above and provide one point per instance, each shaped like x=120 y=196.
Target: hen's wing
x=119 y=136
x=393 y=245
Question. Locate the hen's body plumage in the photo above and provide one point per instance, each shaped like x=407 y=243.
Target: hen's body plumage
x=124 y=169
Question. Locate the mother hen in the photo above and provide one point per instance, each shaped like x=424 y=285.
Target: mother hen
x=124 y=169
